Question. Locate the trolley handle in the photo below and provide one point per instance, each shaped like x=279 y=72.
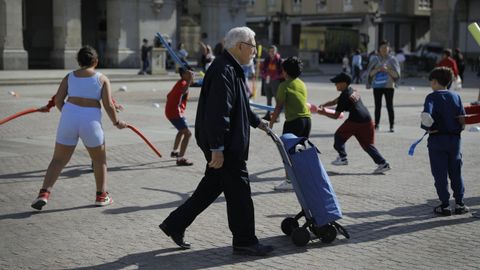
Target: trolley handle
x=272 y=134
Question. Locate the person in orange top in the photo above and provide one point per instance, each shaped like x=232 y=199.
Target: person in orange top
x=448 y=61
x=271 y=72
x=174 y=111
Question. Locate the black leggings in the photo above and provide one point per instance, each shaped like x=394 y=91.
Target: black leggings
x=377 y=96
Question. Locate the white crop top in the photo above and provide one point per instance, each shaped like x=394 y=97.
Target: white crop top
x=85 y=87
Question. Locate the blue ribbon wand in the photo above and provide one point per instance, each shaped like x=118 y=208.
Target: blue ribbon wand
x=412 y=147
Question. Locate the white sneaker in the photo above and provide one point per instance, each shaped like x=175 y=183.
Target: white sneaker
x=382 y=168
x=340 y=161
x=284 y=185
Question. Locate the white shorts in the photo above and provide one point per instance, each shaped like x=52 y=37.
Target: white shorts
x=80 y=122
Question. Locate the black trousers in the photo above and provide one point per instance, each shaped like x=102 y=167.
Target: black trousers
x=300 y=127
x=377 y=96
x=232 y=179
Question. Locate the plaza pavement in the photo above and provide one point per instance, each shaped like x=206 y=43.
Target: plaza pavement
x=388 y=216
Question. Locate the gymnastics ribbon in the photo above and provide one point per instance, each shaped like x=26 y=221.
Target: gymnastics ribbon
x=45 y=108
x=412 y=147
x=134 y=129
x=18 y=114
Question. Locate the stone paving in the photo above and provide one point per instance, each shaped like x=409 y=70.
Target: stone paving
x=388 y=216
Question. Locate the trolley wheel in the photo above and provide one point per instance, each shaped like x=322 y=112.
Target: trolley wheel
x=300 y=236
x=288 y=225
x=327 y=233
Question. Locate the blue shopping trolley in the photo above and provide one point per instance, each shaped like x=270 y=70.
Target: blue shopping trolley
x=314 y=192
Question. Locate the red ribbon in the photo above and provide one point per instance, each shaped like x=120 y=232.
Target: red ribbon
x=134 y=129
x=13 y=116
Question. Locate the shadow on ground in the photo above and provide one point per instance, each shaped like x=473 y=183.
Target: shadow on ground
x=173 y=258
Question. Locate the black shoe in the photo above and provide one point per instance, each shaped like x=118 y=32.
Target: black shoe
x=177 y=238
x=442 y=210
x=461 y=209
x=253 y=250
x=266 y=117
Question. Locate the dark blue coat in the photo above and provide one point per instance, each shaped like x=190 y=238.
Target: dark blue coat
x=224 y=116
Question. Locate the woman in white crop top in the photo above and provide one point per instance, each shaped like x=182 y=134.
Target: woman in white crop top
x=85 y=91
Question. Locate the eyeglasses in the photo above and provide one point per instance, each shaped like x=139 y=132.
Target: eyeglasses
x=251 y=45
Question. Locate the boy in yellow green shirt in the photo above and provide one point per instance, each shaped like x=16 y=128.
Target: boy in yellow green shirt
x=292 y=94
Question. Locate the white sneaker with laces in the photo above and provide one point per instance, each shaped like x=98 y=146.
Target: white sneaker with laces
x=382 y=168
x=284 y=185
x=340 y=161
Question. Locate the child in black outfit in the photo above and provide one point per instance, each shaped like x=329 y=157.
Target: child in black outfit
x=358 y=124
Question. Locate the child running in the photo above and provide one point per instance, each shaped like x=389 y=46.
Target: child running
x=174 y=111
x=358 y=124
x=292 y=93
x=85 y=90
x=443 y=118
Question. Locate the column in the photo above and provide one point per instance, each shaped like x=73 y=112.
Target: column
x=123 y=40
x=12 y=53
x=67 y=33
x=442 y=22
x=217 y=17
x=369 y=28
x=157 y=16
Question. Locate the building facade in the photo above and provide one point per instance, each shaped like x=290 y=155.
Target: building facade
x=449 y=21
x=47 y=33
x=334 y=27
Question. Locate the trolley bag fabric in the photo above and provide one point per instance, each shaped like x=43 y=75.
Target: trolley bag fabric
x=311 y=183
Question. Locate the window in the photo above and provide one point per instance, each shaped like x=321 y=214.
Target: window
x=424 y=4
x=321 y=5
x=271 y=5
x=297 y=6
x=347 y=5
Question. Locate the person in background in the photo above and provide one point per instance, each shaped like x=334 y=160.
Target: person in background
x=400 y=56
x=207 y=56
x=357 y=67
x=145 y=53
x=181 y=52
x=249 y=71
x=383 y=73
x=460 y=61
x=271 y=72
x=86 y=90
x=448 y=61
x=218 y=49
x=345 y=64
x=174 y=111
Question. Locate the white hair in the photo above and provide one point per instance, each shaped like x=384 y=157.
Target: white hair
x=238 y=34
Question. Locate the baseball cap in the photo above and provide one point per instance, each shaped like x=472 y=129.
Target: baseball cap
x=342 y=77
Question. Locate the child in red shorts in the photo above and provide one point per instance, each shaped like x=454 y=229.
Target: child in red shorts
x=358 y=124
x=174 y=111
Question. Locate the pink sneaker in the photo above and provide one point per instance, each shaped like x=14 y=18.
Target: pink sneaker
x=41 y=200
x=103 y=199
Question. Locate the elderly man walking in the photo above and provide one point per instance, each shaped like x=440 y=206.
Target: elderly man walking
x=222 y=131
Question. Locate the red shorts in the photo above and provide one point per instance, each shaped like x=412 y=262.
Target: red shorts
x=364 y=132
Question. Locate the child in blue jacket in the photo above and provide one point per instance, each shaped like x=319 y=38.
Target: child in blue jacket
x=443 y=118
